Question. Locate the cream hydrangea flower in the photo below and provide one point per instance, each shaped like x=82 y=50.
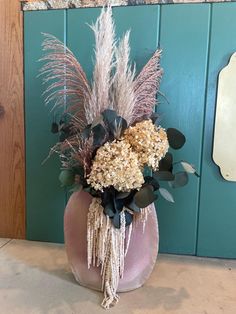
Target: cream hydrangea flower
x=115 y=164
x=148 y=141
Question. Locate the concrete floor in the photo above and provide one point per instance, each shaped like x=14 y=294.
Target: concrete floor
x=35 y=279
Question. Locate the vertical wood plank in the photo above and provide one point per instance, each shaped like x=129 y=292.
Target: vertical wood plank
x=184 y=40
x=12 y=164
x=217 y=217
x=143 y=22
x=45 y=197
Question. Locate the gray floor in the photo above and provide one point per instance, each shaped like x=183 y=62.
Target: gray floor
x=35 y=279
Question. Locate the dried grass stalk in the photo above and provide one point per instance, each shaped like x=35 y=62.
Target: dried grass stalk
x=68 y=82
x=146 y=86
x=123 y=84
x=104 y=32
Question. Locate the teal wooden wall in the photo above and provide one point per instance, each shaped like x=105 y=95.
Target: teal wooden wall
x=45 y=200
x=217 y=215
x=184 y=40
x=197 y=40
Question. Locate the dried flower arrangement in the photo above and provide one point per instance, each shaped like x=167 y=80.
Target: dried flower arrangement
x=109 y=137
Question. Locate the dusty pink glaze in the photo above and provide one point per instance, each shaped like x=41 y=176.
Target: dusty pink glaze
x=140 y=258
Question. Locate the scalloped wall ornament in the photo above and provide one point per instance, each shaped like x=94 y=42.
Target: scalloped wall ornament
x=224 y=148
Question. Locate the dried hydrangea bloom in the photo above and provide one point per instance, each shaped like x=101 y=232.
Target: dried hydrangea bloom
x=148 y=141
x=116 y=165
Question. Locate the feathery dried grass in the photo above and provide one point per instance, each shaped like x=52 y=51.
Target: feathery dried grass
x=104 y=32
x=123 y=82
x=68 y=83
x=146 y=86
x=77 y=151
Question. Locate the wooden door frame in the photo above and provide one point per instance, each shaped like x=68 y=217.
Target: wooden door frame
x=12 y=139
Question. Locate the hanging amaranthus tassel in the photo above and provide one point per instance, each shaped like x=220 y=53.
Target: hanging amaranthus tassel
x=106 y=248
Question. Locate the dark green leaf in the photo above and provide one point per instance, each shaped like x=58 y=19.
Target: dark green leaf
x=133 y=206
x=152 y=181
x=118 y=126
x=67 y=177
x=66 y=128
x=109 y=210
x=116 y=220
x=87 y=189
x=118 y=204
x=54 y=128
x=145 y=196
x=165 y=163
x=62 y=137
x=163 y=176
x=107 y=197
x=175 y=138
x=86 y=132
x=94 y=193
x=122 y=195
x=77 y=188
x=109 y=115
x=99 y=134
x=181 y=179
x=128 y=218
x=79 y=170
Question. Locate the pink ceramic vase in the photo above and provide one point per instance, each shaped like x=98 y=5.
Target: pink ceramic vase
x=139 y=261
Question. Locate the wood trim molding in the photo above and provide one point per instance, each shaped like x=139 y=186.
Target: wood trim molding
x=12 y=146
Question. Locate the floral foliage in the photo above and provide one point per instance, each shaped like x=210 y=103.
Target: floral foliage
x=109 y=135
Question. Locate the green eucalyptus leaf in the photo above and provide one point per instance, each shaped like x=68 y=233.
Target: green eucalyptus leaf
x=79 y=170
x=67 y=177
x=95 y=193
x=152 y=181
x=188 y=167
x=99 y=134
x=163 y=176
x=87 y=189
x=116 y=220
x=66 y=129
x=85 y=134
x=166 y=195
x=109 y=210
x=54 y=128
x=122 y=195
x=145 y=196
x=118 y=204
x=128 y=218
x=166 y=163
x=181 y=179
x=176 y=139
x=62 y=137
x=133 y=206
x=77 y=188
x=109 y=115
x=117 y=126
